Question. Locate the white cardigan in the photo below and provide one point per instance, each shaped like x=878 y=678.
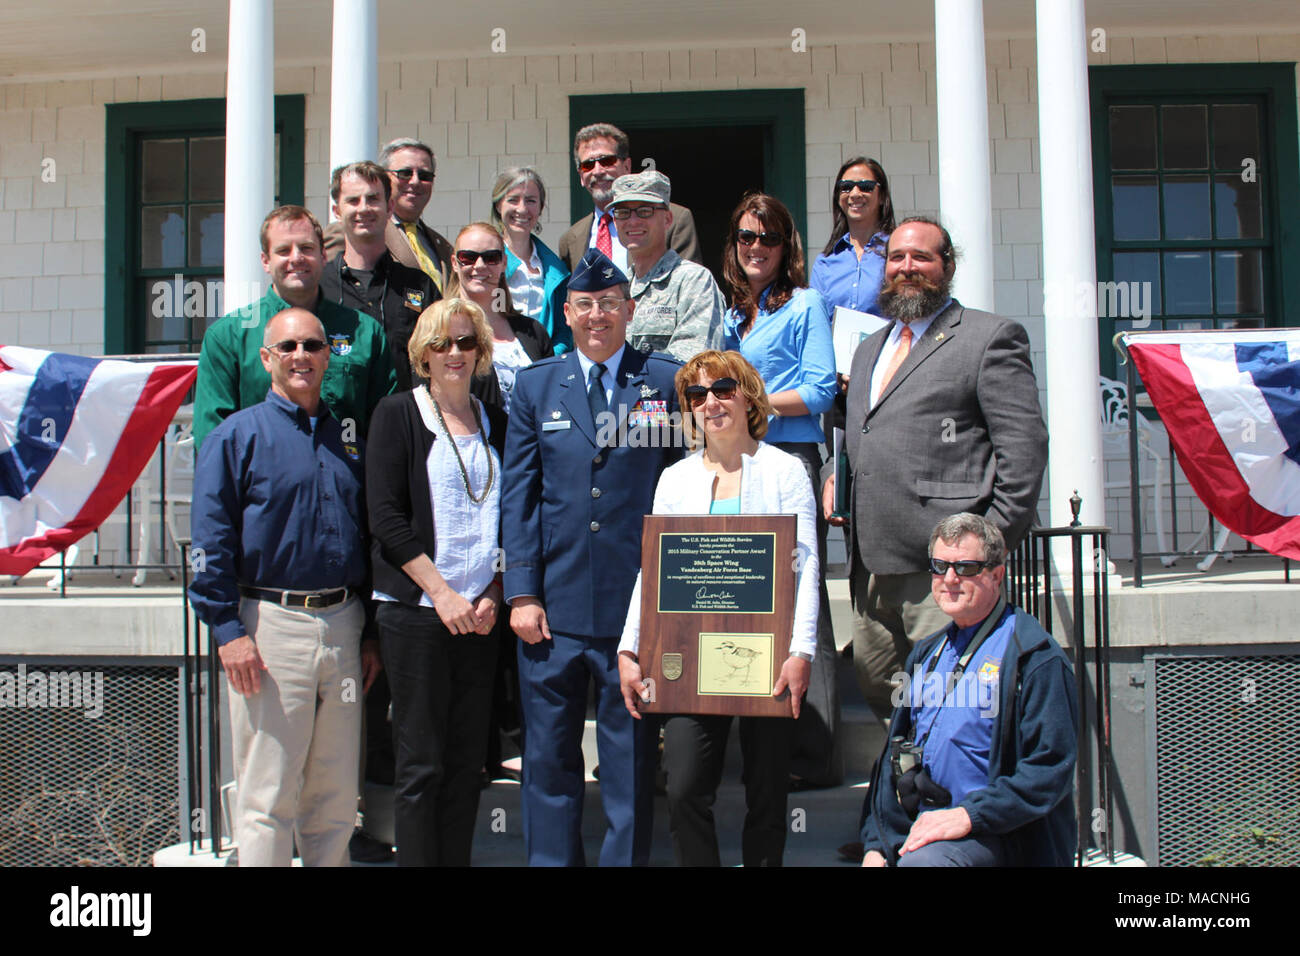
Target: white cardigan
x=771 y=482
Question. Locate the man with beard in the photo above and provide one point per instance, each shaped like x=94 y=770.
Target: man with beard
x=942 y=416
x=602 y=154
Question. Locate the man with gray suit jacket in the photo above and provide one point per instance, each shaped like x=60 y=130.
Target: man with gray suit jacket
x=942 y=416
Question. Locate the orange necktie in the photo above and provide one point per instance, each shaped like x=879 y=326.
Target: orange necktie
x=900 y=356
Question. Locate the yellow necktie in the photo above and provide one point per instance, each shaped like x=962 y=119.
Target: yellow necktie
x=421 y=256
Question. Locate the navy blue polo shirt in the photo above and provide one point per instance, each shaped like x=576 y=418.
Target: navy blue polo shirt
x=278 y=503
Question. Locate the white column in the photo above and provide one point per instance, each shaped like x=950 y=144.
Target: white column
x=250 y=146
x=965 y=191
x=1069 y=263
x=354 y=83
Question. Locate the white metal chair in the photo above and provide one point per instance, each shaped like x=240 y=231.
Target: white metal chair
x=1153 y=471
x=178 y=462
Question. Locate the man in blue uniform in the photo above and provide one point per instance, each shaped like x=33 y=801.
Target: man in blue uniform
x=590 y=431
x=980 y=766
x=279 y=546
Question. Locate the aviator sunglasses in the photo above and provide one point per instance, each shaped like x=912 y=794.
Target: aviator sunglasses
x=964 y=569
x=723 y=389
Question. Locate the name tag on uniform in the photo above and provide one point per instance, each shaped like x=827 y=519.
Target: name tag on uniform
x=556 y=426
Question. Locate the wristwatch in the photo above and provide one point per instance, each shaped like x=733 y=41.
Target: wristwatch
x=802 y=656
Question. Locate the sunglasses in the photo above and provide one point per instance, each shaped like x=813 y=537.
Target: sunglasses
x=723 y=389
x=467 y=257
x=641 y=212
x=405 y=173
x=866 y=185
x=289 y=346
x=964 y=569
x=747 y=237
x=606 y=161
x=466 y=343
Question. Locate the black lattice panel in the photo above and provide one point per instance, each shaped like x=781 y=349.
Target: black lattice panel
x=77 y=790
x=1228 y=760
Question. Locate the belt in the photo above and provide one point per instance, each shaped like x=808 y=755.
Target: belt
x=312 y=600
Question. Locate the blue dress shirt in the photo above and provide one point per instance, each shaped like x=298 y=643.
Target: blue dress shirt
x=958 y=732
x=791 y=348
x=278 y=503
x=844 y=279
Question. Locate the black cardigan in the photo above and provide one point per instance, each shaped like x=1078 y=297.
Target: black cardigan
x=537 y=345
x=397 y=489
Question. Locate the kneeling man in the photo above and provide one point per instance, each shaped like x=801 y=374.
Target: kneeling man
x=980 y=765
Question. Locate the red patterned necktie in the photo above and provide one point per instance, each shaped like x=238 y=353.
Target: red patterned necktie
x=603 y=241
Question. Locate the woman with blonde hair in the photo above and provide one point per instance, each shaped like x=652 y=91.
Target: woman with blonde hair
x=433 y=487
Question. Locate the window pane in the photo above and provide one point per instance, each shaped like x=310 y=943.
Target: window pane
x=1185 y=142
x=162 y=170
x=1137 y=207
x=162 y=237
x=1133 y=137
x=1236 y=135
x=207 y=232
x=1176 y=325
x=1236 y=208
x=1187 y=283
x=1187 y=207
x=214 y=306
x=207 y=167
x=164 y=301
x=1239 y=281
x=1140 y=272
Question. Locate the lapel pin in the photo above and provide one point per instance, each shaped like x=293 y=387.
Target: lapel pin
x=555 y=414
x=939 y=337
x=648 y=390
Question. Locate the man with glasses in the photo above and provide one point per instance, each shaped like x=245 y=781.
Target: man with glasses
x=365 y=276
x=941 y=414
x=412 y=167
x=281 y=564
x=601 y=153
x=589 y=433
x=679 y=306
x=982 y=742
x=232 y=374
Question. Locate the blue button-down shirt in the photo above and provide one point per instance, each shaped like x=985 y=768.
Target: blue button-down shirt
x=791 y=348
x=278 y=503
x=957 y=729
x=844 y=279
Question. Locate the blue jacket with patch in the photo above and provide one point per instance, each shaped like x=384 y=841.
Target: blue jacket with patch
x=1029 y=801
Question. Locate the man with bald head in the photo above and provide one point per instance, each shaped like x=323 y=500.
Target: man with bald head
x=278 y=523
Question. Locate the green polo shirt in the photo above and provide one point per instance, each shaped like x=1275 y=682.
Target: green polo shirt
x=231 y=375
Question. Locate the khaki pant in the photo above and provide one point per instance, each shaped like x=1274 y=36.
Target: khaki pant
x=891 y=613
x=296 y=742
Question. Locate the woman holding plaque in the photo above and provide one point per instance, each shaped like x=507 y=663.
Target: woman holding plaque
x=433 y=488
x=736 y=472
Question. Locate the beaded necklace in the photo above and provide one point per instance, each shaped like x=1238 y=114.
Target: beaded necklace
x=464 y=475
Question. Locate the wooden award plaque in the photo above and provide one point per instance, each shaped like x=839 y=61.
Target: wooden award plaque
x=717 y=611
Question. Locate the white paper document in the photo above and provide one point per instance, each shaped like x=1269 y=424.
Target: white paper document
x=850 y=328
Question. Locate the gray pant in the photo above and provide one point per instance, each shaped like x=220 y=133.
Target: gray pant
x=891 y=613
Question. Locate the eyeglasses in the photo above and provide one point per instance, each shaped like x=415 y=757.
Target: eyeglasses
x=466 y=343
x=609 y=304
x=724 y=389
x=606 y=161
x=866 y=185
x=406 y=172
x=641 y=212
x=467 y=257
x=964 y=569
x=747 y=237
x=289 y=346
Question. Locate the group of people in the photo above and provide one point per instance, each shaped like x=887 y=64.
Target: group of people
x=422 y=472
